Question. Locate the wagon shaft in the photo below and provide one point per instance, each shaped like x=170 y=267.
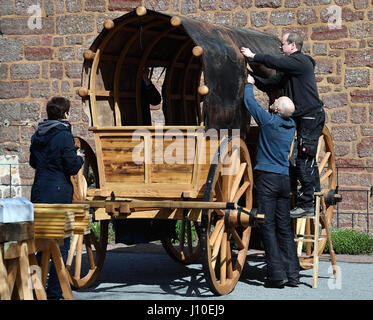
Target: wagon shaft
x=234 y=214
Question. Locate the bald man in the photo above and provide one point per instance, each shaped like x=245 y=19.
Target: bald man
x=276 y=133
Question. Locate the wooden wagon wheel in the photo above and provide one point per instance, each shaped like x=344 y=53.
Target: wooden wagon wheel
x=84 y=275
x=186 y=249
x=224 y=246
x=328 y=176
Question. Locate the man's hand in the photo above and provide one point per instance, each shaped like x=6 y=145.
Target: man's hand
x=247 y=53
x=250 y=79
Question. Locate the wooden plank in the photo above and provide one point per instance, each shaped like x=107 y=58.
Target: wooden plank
x=4 y=286
x=61 y=270
x=24 y=272
x=36 y=280
x=18 y=231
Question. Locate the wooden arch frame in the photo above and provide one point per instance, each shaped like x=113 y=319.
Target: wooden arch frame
x=96 y=54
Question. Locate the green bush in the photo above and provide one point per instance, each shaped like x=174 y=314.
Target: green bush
x=347 y=241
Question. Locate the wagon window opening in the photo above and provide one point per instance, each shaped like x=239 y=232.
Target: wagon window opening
x=157 y=78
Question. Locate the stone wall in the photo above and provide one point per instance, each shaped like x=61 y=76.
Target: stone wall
x=43 y=57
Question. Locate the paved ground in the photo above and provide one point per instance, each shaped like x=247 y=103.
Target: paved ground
x=146 y=272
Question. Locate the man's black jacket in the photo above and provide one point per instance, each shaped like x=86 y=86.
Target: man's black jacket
x=296 y=76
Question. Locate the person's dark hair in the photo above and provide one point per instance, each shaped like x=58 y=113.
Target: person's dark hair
x=297 y=39
x=56 y=108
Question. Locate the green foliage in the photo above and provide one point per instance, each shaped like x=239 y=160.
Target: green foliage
x=95 y=227
x=347 y=241
x=178 y=231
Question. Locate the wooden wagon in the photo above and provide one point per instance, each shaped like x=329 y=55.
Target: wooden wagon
x=197 y=167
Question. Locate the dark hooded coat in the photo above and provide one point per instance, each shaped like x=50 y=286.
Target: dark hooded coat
x=53 y=155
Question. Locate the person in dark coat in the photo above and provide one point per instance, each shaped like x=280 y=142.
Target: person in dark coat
x=276 y=132
x=149 y=96
x=296 y=76
x=53 y=156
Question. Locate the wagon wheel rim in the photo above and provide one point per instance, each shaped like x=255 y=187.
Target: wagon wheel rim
x=328 y=180
x=95 y=251
x=225 y=247
x=186 y=249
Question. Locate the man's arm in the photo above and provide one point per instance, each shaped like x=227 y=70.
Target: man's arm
x=272 y=83
x=282 y=63
x=260 y=116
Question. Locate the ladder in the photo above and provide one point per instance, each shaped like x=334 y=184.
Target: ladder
x=318 y=218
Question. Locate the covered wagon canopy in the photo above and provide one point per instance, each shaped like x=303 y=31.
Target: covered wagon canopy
x=202 y=63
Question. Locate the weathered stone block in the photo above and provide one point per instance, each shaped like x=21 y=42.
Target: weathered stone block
x=357 y=78
x=324 y=66
x=362 y=30
x=39 y=53
x=11 y=49
x=188 y=6
x=40 y=89
x=73 y=70
x=364 y=148
x=268 y=3
x=282 y=18
x=207 y=5
x=361 y=58
x=13 y=89
x=358 y=115
x=339 y=116
x=259 y=18
x=157 y=5
x=325 y=33
x=23 y=71
x=362 y=96
x=123 y=5
x=228 y=4
x=82 y=23
x=344 y=133
x=306 y=16
x=239 y=19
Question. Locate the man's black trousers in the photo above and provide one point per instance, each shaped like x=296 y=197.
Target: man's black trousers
x=273 y=194
x=309 y=129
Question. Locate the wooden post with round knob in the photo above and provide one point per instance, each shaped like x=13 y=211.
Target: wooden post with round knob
x=88 y=54
x=175 y=21
x=109 y=24
x=203 y=90
x=141 y=11
x=83 y=92
x=197 y=51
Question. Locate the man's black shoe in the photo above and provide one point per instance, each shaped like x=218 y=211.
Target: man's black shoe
x=278 y=284
x=302 y=212
x=292 y=283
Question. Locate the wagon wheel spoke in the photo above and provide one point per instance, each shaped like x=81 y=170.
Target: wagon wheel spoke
x=78 y=258
x=241 y=191
x=72 y=251
x=229 y=261
x=237 y=238
x=237 y=180
x=88 y=248
x=218 y=228
x=216 y=246
x=223 y=259
x=190 y=238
